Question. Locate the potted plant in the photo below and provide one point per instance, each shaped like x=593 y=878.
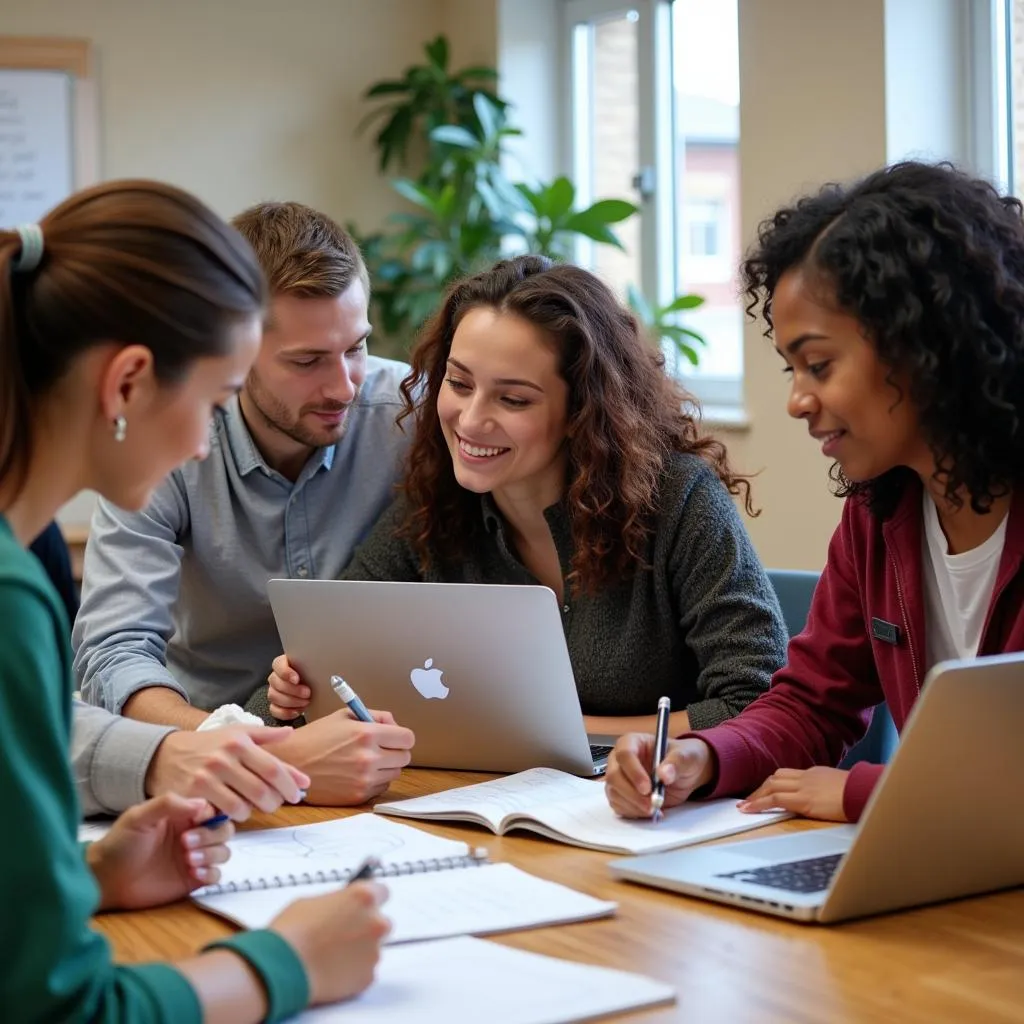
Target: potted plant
x=467 y=213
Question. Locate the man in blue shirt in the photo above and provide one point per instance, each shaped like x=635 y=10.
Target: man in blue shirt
x=175 y=620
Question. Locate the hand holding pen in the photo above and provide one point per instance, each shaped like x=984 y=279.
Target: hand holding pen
x=350 y=699
x=660 y=749
x=218 y=819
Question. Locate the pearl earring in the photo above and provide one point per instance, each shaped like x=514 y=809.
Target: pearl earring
x=120 y=428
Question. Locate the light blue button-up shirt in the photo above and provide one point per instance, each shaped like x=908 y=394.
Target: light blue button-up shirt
x=176 y=595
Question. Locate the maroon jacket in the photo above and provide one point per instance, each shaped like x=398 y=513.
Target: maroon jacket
x=864 y=641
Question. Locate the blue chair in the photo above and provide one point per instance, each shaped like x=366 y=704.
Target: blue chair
x=795 y=589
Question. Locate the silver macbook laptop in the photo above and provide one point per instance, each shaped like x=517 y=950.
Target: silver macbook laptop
x=944 y=822
x=481 y=674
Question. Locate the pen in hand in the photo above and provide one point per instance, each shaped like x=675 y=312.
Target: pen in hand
x=219 y=819
x=660 y=749
x=365 y=871
x=351 y=699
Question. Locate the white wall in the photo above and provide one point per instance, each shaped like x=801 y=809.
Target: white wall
x=242 y=100
x=812 y=109
x=245 y=100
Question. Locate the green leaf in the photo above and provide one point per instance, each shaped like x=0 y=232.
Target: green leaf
x=532 y=198
x=454 y=135
x=437 y=51
x=393 y=138
x=605 y=236
x=684 y=302
x=476 y=71
x=584 y=223
x=388 y=88
x=689 y=353
x=433 y=257
x=486 y=115
x=411 y=191
x=446 y=200
x=639 y=304
x=490 y=197
x=610 y=211
x=560 y=196
x=694 y=334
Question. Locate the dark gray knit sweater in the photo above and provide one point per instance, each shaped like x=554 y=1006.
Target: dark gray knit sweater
x=702 y=626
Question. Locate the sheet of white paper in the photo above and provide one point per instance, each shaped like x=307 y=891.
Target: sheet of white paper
x=286 y=856
x=90 y=831
x=436 y=904
x=466 y=981
x=524 y=791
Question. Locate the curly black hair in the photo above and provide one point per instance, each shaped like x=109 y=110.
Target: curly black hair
x=931 y=263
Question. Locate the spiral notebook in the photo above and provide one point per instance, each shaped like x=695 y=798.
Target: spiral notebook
x=568 y=809
x=437 y=887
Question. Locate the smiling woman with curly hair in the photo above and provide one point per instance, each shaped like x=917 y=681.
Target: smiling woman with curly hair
x=897 y=305
x=549 y=446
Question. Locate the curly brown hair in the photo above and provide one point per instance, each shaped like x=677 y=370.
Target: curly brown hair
x=625 y=417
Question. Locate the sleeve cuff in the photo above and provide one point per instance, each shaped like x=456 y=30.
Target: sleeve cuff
x=704 y=714
x=860 y=784
x=731 y=759
x=279 y=969
x=117 y=775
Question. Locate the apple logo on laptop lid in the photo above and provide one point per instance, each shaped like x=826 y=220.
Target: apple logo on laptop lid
x=428 y=681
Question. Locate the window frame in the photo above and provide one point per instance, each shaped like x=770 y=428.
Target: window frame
x=659 y=221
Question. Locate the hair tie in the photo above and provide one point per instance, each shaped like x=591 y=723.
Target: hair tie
x=31 y=236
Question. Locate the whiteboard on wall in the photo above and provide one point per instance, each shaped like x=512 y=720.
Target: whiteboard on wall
x=37 y=146
x=49 y=141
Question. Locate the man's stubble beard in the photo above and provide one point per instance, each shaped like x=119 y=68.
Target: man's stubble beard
x=276 y=415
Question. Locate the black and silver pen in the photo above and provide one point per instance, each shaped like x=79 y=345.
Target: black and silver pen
x=660 y=749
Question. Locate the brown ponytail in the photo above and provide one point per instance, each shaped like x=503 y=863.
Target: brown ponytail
x=127 y=261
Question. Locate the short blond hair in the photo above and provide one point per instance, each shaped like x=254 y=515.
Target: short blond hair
x=302 y=251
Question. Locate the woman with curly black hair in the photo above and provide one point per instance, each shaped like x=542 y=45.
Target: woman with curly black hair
x=551 y=447
x=897 y=305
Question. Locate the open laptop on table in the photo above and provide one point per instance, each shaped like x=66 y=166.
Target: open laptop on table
x=481 y=674
x=944 y=821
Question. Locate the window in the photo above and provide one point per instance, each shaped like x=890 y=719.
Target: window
x=704 y=220
x=1011 y=70
x=655 y=118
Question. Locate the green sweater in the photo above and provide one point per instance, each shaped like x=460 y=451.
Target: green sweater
x=702 y=625
x=52 y=964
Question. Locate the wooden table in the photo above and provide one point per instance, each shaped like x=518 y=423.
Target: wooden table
x=962 y=961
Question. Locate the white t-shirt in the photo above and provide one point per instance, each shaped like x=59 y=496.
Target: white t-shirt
x=957 y=589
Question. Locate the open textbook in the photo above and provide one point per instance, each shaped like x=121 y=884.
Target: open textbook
x=573 y=810
x=438 y=887
x=466 y=981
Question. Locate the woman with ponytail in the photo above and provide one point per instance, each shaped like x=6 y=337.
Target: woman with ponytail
x=126 y=316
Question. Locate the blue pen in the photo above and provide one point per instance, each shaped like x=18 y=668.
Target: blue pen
x=219 y=819
x=351 y=699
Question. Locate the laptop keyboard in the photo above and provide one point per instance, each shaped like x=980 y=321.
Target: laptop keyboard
x=812 y=875
x=599 y=752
